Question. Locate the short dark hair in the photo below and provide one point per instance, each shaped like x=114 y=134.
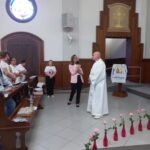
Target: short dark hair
x=12 y=58
x=49 y=61
x=3 y=54
x=23 y=61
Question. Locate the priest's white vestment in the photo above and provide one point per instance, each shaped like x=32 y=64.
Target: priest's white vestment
x=97 y=101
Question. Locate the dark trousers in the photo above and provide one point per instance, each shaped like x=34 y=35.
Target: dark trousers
x=76 y=87
x=10 y=106
x=50 y=82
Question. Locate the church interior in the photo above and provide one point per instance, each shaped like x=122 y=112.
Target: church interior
x=43 y=34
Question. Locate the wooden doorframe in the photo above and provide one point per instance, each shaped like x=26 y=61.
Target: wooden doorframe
x=39 y=42
x=134 y=54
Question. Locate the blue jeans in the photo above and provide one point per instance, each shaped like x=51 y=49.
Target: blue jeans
x=0 y=146
x=9 y=106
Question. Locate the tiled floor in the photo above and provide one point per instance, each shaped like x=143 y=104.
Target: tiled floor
x=62 y=127
x=144 y=89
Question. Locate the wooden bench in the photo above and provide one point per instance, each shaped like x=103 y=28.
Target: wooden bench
x=10 y=131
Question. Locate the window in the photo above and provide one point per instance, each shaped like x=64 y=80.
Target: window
x=21 y=10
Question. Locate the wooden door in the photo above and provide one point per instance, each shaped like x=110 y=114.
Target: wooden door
x=25 y=46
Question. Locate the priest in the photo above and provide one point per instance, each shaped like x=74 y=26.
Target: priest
x=97 y=101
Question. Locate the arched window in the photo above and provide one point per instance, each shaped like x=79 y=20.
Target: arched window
x=21 y=10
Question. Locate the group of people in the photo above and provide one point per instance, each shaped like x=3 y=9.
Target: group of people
x=10 y=73
x=13 y=72
x=97 y=100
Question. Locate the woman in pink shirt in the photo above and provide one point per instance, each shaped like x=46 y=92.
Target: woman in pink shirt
x=76 y=79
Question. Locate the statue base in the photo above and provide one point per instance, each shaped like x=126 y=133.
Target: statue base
x=120 y=92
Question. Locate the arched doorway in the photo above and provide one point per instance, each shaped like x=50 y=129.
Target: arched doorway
x=23 y=45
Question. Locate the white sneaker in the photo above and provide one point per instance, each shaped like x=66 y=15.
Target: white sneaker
x=88 y=111
x=52 y=96
x=97 y=117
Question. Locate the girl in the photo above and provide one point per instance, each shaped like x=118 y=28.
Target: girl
x=50 y=72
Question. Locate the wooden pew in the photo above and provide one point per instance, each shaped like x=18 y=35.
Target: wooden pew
x=11 y=131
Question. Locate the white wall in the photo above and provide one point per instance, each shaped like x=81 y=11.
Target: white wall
x=46 y=25
x=147 y=43
x=71 y=47
x=141 y=9
x=88 y=19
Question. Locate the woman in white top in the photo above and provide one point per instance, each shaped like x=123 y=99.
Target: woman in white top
x=50 y=72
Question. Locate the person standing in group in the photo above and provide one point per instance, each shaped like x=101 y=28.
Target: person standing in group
x=4 y=59
x=6 y=86
x=76 y=79
x=50 y=72
x=97 y=101
x=14 y=70
x=22 y=70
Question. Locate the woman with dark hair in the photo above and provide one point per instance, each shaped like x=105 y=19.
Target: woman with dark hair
x=76 y=79
x=50 y=72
